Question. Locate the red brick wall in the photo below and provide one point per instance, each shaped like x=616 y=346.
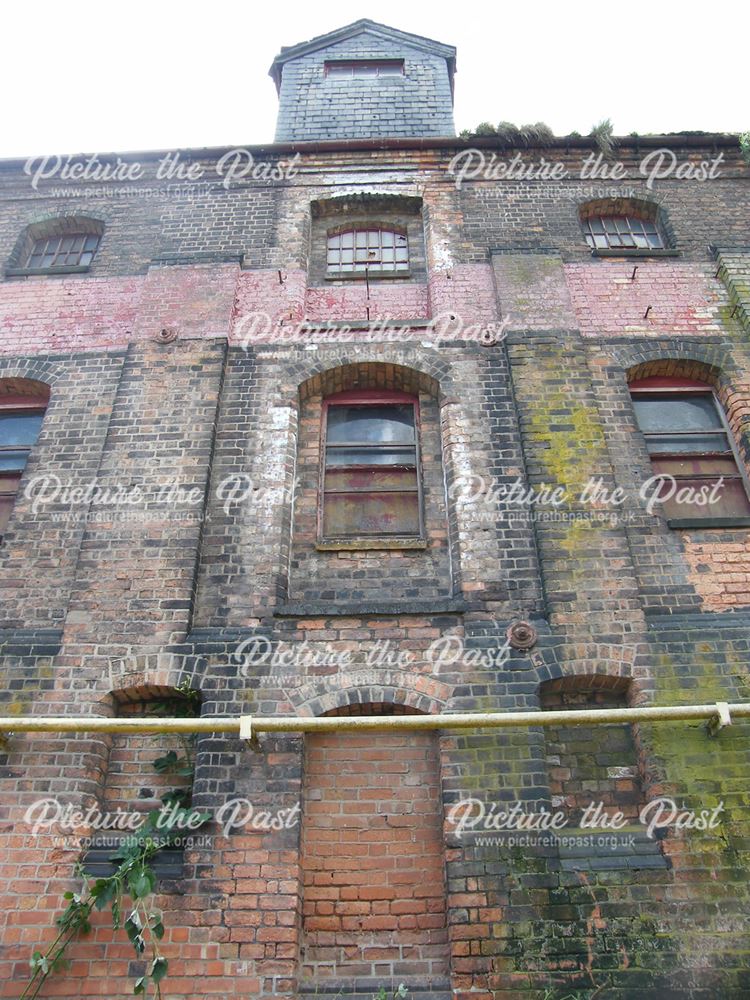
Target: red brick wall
x=374 y=894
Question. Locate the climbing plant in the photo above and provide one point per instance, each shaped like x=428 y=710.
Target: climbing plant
x=129 y=890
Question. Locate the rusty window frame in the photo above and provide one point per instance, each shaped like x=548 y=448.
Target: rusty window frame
x=679 y=388
x=623 y=232
x=369 y=399
x=375 y=245
x=64 y=250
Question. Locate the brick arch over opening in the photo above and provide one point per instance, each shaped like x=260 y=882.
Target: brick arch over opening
x=62 y=225
x=621 y=686
x=125 y=677
x=650 y=209
x=33 y=370
x=26 y=387
x=733 y=394
x=374 y=374
x=412 y=692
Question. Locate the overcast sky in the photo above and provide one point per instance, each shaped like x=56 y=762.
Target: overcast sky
x=93 y=76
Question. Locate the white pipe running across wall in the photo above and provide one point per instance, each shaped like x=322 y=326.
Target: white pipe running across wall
x=718 y=715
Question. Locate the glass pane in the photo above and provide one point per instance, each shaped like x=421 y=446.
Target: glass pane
x=91 y=242
x=19 y=428
x=347 y=240
x=684 y=413
x=391 y=422
x=370 y=456
x=660 y=444
x=14 y=460
x=366 y=71
x=361 y=238
x=597 y=226
x=86 y=258
x=370 y=480
x=387 y=238
x=350 y=515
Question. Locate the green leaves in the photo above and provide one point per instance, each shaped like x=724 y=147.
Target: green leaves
x=159 y=969
x=141 y=882
x=133 y=877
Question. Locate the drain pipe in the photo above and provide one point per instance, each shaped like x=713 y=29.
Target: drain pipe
x=248 y=727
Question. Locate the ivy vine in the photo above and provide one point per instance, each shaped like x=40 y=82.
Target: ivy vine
x=128 y=891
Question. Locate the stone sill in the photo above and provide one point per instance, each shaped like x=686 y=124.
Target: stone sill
x=360 y=275
x=352 y=609
x=25 y=272
x=360 y=544
x=708 y=522
x=635 y=252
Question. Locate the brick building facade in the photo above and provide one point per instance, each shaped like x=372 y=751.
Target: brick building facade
x=189 y=511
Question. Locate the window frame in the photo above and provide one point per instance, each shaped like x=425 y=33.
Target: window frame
x=370 y=398
x=10 y=405
x=365 y=273
x=59 y=238
x=56 y=228
x=339 y=65
x=625 y=222
x=676 y=387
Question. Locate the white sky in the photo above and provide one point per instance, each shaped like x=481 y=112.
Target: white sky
x=95 y=76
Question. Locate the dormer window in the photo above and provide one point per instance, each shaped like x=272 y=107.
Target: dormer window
x=364 y=67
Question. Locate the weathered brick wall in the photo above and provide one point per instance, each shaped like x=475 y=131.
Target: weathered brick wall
x=92 y=605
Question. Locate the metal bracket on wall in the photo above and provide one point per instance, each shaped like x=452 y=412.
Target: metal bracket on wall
x=247 y=734
x=720 y=720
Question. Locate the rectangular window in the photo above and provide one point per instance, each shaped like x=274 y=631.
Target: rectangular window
x=19 y=430
x=690 y=445
x=371 y=485
x=626 y=232
x=63 y=251
x=364 y=67
x=368 y=249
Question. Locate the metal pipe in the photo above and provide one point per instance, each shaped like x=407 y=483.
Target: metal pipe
x=249 y=724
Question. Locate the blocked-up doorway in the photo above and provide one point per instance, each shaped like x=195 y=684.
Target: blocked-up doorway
x=372 y=856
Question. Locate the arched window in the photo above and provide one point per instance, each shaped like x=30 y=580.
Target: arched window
x=64 y=245
x=367 y=248
x=370 y=485
x=691 y=446
x=22 y=406
x=624 y=224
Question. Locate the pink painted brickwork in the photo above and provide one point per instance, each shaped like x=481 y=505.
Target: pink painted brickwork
x=684 y=298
